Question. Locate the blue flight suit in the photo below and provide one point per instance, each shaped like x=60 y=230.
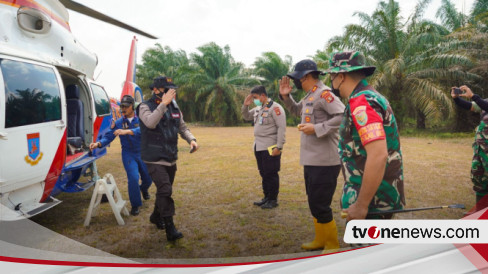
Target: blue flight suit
x=131 y=157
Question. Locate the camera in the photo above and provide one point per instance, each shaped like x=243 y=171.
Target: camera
x=458 y=91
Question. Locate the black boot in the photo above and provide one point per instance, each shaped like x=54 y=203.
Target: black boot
x=171 y=233
x=262 y=202
x=156 y=219
x=270 y=204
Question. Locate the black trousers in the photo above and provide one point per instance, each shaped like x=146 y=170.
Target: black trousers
x=268 y=169
x=163 y=177
x=320 y=185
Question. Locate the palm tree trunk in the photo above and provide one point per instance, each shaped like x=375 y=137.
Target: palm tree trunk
x=420 y=119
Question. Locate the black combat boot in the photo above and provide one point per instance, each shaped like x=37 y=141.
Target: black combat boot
x=156 y=219
x=171 y=233
x=262 y=202
x=270 y=204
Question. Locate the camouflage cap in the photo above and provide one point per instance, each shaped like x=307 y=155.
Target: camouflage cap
x=348 y=61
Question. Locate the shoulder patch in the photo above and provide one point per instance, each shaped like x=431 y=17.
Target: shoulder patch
x=368 y=122
x=327 y=96
x=277 y=111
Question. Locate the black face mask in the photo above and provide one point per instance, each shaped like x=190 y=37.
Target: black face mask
x=336 y=91
x=298 y=84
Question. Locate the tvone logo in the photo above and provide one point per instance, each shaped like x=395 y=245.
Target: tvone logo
x=373 y=232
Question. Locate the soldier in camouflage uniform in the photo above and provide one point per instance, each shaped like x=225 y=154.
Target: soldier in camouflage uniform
x=369 y=144
x=479 y=165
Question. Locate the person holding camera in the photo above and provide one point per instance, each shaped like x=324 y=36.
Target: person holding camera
x=161 y=121
x=269 y=132
x=127 y=128
x=479 y=164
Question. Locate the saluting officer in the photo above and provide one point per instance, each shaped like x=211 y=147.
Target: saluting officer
x=161 y=121
x=321 y=114
x=269 y=132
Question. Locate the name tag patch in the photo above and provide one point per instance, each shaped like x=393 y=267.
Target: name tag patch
x=175 y=115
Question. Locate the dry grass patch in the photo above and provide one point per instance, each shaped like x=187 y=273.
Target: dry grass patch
x=215 y=187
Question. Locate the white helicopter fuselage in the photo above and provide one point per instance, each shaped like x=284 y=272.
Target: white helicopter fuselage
x=45 y=75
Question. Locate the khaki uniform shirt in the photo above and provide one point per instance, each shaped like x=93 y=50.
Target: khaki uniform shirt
x=324 y=110
x=269 y=124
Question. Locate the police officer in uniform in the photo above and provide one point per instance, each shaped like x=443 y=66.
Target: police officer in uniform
x=369 y=144
x=127 y=128
x=479 y=164
x=321 y=114
x=161 y=121
x=269 y=132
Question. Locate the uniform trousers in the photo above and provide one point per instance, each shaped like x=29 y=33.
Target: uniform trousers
x=320 y=185
x=268 y=169
x=134 y=166
x=163 y=177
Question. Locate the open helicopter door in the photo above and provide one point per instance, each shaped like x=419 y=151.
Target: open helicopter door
x=32 y=136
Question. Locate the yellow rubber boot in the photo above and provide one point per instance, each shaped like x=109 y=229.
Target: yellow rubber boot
x=319 y=241
x=330 y=236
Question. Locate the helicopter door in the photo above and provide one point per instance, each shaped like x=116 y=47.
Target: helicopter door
x=102 y=109
x=32 y=132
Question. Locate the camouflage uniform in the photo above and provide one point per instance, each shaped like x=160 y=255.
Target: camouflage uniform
x=479 y=165
x=369 y=117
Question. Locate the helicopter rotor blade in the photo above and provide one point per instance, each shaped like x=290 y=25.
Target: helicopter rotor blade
x=72 y=5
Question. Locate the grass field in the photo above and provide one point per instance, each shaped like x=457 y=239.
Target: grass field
x=215 y=187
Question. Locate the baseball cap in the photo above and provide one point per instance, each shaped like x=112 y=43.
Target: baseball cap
x=127 y=100
x=164 y=82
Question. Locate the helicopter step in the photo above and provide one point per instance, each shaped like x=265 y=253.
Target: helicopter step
x=73 y=172
x=27 y=209
x=108 y=187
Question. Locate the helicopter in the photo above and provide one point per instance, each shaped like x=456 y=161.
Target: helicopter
x=51 y=108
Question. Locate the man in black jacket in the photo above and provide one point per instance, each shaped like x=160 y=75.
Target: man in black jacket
x=161 y=121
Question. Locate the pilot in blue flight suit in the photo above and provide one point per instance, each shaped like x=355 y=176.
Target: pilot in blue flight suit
x=127 y=128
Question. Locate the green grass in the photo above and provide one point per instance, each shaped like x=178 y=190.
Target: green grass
x=215 y=187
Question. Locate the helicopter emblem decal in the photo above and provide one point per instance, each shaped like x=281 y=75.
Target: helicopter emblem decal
x=33 y=148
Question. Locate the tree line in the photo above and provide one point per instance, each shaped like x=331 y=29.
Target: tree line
x=417 y=60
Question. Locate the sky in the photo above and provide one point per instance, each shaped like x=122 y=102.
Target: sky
x=249 y=27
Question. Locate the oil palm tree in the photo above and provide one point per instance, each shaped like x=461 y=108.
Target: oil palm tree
x=271 y=67
x=160 y=61
x=214 y=78
x=412 y=57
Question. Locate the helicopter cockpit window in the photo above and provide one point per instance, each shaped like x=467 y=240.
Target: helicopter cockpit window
x=102 y=103
x=32 y=94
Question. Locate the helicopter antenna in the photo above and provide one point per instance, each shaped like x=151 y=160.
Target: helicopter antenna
x=98 y=75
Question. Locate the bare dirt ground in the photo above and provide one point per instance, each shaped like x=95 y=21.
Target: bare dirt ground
x=215 y=187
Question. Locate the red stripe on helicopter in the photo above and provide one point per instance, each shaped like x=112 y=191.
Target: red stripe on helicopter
x=35 y=5
x=96 y=127
x=55 y=169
